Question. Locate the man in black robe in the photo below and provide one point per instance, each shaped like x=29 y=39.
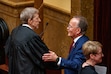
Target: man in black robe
x=24 y=47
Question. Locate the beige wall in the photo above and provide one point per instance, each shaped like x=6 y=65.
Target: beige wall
x=64 y=5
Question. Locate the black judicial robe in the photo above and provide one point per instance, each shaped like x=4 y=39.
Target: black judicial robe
x=25 y=49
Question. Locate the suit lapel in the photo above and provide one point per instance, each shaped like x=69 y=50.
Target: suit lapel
x=78 y=45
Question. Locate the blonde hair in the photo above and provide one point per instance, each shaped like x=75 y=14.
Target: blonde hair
x=90 y=47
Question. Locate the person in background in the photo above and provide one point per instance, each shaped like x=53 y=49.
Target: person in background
x=24 y=47
x=3 y=37
x=76 y=30
x=93 y=53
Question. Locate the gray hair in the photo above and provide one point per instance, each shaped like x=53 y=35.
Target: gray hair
x=28 y=13
x=83 y=24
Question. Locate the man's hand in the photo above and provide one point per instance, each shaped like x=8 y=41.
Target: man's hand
x=51 y=56
x=4 y=67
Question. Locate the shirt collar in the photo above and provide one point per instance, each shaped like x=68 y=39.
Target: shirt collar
x=75 y=40
x=27 y=25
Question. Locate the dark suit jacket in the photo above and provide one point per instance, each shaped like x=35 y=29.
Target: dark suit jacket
x=75 y=58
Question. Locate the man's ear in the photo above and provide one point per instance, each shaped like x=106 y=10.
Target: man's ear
x=29 y=21
x=78 y=30
x=92 y=56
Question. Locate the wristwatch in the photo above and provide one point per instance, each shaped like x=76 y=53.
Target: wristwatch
x=57 y=60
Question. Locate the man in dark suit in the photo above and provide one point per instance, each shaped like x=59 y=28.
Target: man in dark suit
x=76 y=30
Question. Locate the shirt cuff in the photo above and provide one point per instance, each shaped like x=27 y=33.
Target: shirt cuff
x=58 y=63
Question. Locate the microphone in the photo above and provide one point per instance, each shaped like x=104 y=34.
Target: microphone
x=41 y=34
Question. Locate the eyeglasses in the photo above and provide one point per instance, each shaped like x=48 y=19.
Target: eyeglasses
x=100 y=53
x=69 y=26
